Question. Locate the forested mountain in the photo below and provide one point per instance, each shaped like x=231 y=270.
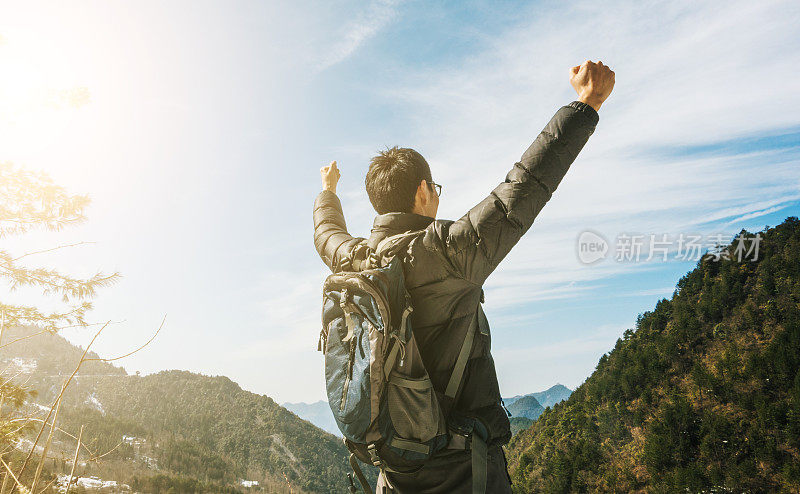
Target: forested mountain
x=524 y=411
x=555 y=394
x=177 y=429
x=527 y=407
x=703 y=394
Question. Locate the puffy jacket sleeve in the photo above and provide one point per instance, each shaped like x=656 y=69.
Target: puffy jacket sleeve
x=476 y=243
x=331 y=239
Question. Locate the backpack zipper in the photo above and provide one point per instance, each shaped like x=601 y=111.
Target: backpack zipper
x=344 y=393
x=349 y=376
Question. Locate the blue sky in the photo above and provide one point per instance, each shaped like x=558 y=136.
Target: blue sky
x=208 y=121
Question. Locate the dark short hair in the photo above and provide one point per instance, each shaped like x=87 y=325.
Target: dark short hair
x=393 y=178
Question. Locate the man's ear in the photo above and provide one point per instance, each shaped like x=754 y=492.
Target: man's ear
x=422 y=191
x=420 y=198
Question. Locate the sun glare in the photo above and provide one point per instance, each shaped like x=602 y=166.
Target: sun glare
x=35 y=89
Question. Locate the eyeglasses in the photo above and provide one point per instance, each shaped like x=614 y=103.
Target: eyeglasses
x=436 y=187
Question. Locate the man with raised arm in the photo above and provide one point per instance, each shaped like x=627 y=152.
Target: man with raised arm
x=448 y=262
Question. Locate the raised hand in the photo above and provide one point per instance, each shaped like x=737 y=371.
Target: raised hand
x=330 y=177
x=593 y=82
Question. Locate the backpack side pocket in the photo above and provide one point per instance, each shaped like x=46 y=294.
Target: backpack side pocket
x=414 y=408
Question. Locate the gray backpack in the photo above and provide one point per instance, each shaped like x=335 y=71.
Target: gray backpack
x=378 y=388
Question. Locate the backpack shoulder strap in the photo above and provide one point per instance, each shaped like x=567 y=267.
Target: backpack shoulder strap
x=461 y=362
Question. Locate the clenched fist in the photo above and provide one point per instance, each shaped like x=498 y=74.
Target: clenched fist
x=330 y=177
x=593 y=82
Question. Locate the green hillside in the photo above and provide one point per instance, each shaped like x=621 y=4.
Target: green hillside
x=187 y=431
x=703 y=394
x=518 y=424
x=524 y=411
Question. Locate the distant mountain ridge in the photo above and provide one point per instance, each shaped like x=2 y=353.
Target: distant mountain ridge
x=524 y=409
x=547 y=398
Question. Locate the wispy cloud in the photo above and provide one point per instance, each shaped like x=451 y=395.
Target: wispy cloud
x=756 y=214
x=353 y=34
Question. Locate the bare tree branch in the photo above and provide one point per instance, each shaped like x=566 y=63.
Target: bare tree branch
x=131 y=353
x=74 y=462
x=51 y=249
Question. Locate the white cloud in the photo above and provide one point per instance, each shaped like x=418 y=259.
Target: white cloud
x=756 y=214
x=364 y=26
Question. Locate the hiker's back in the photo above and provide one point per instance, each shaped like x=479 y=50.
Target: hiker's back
x=445 y=308
x=452 y=335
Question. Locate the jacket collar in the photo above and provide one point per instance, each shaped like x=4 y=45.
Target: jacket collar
x=389 y=224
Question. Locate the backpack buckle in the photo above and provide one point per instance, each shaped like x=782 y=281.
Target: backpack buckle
x=373 y=455
x=458 y=441
x=463 y=429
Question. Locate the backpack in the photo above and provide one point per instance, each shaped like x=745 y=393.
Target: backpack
x=379 y=391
